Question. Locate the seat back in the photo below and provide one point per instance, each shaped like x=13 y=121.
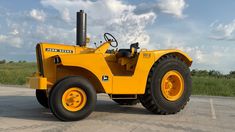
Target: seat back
x=134 y=47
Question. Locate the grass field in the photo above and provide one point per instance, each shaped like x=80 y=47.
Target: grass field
x=16 y=73
x=213 y=86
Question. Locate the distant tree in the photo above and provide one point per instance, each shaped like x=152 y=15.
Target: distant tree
x=202 y=73
x=205 y=73
x=232 y=74
x=2 y=61
x=11 y=62
x=214 y=73
x=227 y=76
x=193 y=72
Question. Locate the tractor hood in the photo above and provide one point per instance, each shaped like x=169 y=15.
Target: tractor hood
x=45 y=53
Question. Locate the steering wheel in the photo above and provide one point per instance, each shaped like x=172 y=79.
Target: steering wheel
x=109 y=37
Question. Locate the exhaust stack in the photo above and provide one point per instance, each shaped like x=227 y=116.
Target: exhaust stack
x=81 y=28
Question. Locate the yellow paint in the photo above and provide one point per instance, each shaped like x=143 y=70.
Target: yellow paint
x=102 y=48
x=172 y=85
x=96 y=63
x=38 y=83
x=74 y=99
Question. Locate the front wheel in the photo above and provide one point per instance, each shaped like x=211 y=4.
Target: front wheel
x=42 y=99
x=168 y=87
x=73 y=98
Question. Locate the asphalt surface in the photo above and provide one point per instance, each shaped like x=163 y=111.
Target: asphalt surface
x=19 y=111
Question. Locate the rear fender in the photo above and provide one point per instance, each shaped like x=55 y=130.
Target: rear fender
x=183 y=56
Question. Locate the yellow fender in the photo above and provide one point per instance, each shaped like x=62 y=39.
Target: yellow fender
x=188 y=60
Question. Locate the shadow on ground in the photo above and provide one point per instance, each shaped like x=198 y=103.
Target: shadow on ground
x=27 y=107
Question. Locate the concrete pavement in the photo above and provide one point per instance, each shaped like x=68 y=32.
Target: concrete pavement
x=19 y=111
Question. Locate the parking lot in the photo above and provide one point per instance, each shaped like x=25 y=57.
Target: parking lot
x=19 y=111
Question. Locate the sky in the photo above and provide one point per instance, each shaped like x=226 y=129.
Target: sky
x=203 y=29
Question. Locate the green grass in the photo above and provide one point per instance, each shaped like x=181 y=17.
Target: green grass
x=16 y=73
x=213 y=86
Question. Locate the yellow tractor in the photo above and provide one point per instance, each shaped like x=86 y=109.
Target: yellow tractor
x=70 y=77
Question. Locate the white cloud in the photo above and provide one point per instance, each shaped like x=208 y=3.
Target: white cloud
x=14 y=32
x=223 y=31
x=19 y=37
x=173 y=7
x=38 y=15
x=196 y=53
x=112 y=16
x=207 y=56
x=11 y=40
x=65 y=15
x=3 y=38
x=54 y=34
x=170 y=41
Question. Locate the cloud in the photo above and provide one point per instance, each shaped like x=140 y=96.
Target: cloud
x=38 y=15
x=52 y=34
x=171 y=41
x=173 y=7
x=221 y=31
x=55 y=21
x=66 y=15
x=112 y=16
x=14 y=32
x=11 y=40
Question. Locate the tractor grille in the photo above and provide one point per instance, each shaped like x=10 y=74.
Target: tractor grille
x=39 y=59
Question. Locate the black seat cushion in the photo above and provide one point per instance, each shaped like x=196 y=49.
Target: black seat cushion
x=123 y=53
x=127 y=52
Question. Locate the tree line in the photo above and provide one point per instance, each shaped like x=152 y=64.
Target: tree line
x=212 y=73
x=4 y=61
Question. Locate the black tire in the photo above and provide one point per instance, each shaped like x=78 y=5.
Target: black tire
x=55 y=99
x=126 y=101
x=42 y=99
x=153 y=99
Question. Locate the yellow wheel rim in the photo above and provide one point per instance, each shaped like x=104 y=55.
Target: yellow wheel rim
x=74 y=99
x=172 y=85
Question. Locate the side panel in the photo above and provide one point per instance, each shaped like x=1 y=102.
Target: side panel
x=94 y=63
x=135 y=84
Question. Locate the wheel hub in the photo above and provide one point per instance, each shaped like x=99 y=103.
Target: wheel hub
x=172 y=85
x=74 y=99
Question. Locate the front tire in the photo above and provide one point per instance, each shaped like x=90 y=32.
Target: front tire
x=42 y=98
x=168 y=87
x=73 y=98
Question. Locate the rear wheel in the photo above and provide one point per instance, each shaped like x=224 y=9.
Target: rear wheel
x=42 y=99
x=168 y=87
x=126 y=101
x=73 y=98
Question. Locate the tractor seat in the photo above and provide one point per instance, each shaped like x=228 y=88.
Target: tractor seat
x=128 y=52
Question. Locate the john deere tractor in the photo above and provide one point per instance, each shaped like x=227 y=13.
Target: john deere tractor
x=69 y=77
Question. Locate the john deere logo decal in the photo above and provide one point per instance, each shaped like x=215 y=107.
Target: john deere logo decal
x=105 y=78
x=59 y=50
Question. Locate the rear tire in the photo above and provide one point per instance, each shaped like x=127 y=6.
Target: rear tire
x=155 y=99
x=64 y=98
x=42 y=99
x=126 y=101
